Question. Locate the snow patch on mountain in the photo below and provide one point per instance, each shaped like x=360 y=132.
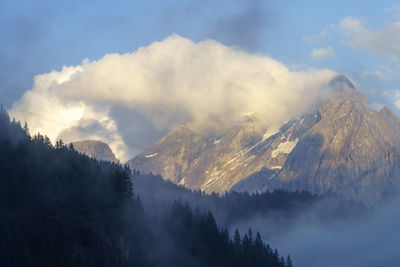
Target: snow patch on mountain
x=284 y=148
x=217 y=141
x=183 y=181
x=276 y=167
x=270 y=132
x=151 y=155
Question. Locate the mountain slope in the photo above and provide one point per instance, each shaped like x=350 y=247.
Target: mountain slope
x=345 y=147
x=353 y=150
x=216 y=163
x=95 y=149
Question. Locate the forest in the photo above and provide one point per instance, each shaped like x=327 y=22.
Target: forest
x=61 y=208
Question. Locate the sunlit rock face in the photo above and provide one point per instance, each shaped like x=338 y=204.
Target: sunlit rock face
x=216 y=163
x=344 y=147
x=353 y=150
x=95 y=149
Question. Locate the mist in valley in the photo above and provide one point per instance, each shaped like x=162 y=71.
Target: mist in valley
x=366 y=237
x=320 y=231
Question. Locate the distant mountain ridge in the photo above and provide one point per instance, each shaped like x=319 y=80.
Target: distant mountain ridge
x=95 y=149
x=344 y=146
x=215 y=164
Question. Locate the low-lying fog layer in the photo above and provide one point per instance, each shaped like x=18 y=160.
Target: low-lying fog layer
x=372 y=239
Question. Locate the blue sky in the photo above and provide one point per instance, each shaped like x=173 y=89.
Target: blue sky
x=360 y=39
x=40 y=36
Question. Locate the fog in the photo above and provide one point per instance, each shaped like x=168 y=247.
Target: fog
x=360 y=240
x=327 y=231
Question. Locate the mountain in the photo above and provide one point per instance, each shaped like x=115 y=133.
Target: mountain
x=216 y=163
x=344 y=147
x=353 y=150
x=95 y=149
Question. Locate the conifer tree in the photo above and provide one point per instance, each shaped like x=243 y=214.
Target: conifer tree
x=289 y=261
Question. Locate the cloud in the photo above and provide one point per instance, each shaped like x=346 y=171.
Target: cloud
x=119 y=99
x=244 y=28
x=317 y=38
x=327 y=235
x=321 y=53
x=22 y=37
x=377 y=106
x=393 y=95
x=380 y=72
x=395 y=11
x=384 y=41
x=367 y=241
x=240 y=23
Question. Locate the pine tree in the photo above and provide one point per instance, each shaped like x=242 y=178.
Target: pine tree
x=258 y=243
x=60 y=144
x=26 y=129
x=237 y=240
x=250 y=235
x=71 y=147
x=276 y=257
x=289 y=261
x=46 y=140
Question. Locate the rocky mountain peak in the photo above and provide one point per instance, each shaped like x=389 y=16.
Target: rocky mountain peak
x=353 y=150
x=388 y=115
x=341 y=83
x=95 y=149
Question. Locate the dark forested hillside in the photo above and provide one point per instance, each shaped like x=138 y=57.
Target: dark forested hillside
x=61 y=208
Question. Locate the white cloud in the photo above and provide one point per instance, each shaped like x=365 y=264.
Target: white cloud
x=396 y=96
x=321 y=53
x=393 y=96
x=123 y=98
x=395 y=11
x=380 y=72
x=318 y=38
x=377 y=106
x=384 y=41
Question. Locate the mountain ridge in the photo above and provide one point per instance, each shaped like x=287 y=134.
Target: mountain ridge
x=344 y=146
x=352 y=150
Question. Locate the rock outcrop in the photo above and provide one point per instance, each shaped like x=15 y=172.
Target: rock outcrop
x=95 y=149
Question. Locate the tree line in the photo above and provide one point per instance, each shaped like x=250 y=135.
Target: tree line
x=61 y=208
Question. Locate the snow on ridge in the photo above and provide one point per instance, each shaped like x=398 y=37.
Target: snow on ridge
x=269 y=133
x=151 y=155
x=236 y=155
x=276 y=167
x=213 y=178
x=183 y=181
x=284 y=148
x=216 y=142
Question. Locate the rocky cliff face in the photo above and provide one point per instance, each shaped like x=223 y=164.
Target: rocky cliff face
x=216 y=163
x=95 y=149
x=353 y=150
x=345 y=147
